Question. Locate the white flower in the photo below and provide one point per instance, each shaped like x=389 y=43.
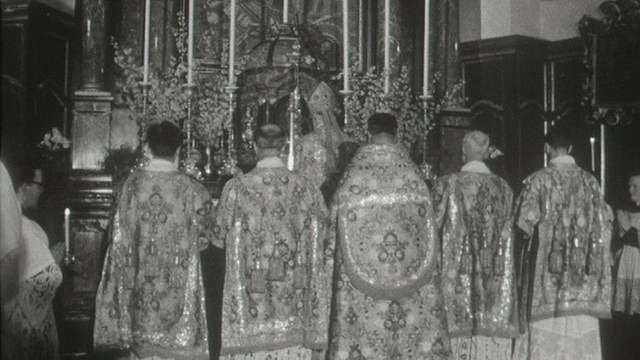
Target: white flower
x=54 y=140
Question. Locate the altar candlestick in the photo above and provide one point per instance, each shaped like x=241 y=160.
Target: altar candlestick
x=345 y=43
x=232 y=44
x=361 y=34
x=602 y=156
x=67 y=248
x=147 y=26
x=285 y=11
x=190 y=44
x=592 y=140
x=425 y=80
x=387 y=24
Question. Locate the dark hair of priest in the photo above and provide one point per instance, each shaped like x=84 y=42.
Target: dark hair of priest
x=270 y=136
x=382 y=123
x=164 y=139
x=559 y=137
x=22 y=169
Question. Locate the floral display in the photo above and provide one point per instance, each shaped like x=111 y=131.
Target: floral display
x=54 y=141
x=169 y=97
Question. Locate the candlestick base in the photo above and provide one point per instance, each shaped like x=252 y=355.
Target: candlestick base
x=144 y=85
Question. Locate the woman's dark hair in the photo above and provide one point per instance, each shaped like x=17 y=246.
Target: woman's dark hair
x=559 y=137
x=164 y=139
x=382 y=123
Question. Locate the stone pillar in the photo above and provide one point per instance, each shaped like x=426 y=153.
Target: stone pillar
x=92 y=103
x=94 y=44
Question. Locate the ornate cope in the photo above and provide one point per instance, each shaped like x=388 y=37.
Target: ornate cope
x=566 y=266
x=279 y=263
x=473 y=212
x=151 y=297
x=387 y=299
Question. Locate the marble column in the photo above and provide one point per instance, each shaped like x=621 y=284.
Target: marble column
x=94 y=44
x=92 y=104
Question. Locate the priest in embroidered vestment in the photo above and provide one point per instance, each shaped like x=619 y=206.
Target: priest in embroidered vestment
x=473 y=214
x=566 y=264
x=277 y=291
x=387 y=298
x=151 y=298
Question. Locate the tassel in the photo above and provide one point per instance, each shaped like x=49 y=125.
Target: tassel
x=577 y=259
x=276 y=264
x=556 y=258
x=498 y=262
x=466 y=261
x=595 y=265
x=486 y=259
x=300 y=274
x=258 y=280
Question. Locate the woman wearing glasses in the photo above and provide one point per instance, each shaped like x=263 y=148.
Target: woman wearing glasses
x=29 y=331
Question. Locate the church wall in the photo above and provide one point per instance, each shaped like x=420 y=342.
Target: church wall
x=543 y=19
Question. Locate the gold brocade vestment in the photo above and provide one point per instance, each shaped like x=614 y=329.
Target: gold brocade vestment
x=387 y=298
x=279 y=262
x=473 y=211
x=151 y=297
x=566 y=264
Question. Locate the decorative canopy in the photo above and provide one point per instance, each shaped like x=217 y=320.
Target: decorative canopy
x=269 y=67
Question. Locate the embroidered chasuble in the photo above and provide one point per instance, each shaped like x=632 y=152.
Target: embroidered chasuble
x=566 y=265
x=473 y=213
x=387 y=298
x=151 y=296
x=311 y=158
x=279 y=262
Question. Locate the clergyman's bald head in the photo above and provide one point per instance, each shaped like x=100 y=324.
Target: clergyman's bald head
x=475 y=146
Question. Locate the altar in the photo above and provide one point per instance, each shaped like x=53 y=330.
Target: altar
x=101 y=71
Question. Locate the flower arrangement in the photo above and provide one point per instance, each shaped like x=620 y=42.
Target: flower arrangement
x=168 y=97
x=54 y=151
x=369 y=97
x=54 y=141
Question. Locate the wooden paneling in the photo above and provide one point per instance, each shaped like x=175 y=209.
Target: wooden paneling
x=14 y=37
x=512 y=86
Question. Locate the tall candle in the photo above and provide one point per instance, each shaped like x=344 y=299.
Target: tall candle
x=345 y=43
x=147 y=26
x=387 y=24
x=361 y=33
x=285 y=11
x=232 y=44
x=602 y=159
x=190 y=44
x=592 y=140
x=67 y=215
x=544 y=153
x=425 y=80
